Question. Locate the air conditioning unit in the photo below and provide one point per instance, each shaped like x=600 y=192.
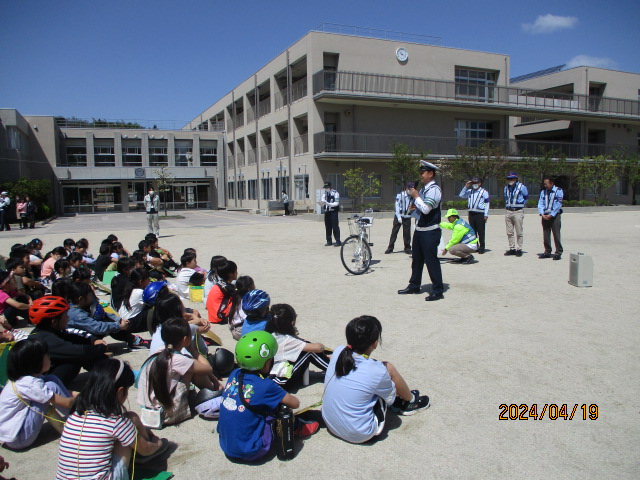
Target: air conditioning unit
x=580 y=270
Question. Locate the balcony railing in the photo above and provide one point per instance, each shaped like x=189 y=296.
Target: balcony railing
x=327 y=81
x=280 y=99
x=135 y=124
x=264 y=107
x=240 y=159
x=335 y=144
x=251 y=114
x=251 y=157
x=230 y=124
x=239 y=119
x=299 y=89
x=265 y=153
x=282 y=149
x=301 y=144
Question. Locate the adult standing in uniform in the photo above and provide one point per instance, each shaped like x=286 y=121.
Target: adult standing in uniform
x=515 y=199
x=478 y=207
x=285 y=201
x=550 y=209
x=152 y=206
x=5 y=201
x=425 y=207
x=402 y=219
x=331 y=201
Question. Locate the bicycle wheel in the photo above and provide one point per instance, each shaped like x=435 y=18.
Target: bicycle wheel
x=355 y=255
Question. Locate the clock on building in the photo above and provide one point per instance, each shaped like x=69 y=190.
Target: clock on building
x=402 y=55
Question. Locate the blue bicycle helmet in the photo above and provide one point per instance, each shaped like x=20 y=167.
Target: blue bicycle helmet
x=254 y=301
x=150 y=293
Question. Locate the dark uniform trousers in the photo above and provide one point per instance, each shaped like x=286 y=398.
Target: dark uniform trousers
x=549 y=226
x=425 y=250
x=406 y=232
x=331 y=224
x=476 y=220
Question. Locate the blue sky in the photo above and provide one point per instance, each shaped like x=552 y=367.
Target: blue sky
x=170 y=60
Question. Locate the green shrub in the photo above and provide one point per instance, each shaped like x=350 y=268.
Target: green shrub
x=457 y=204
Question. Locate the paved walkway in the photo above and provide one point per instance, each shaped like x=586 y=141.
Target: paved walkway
x=510 y=331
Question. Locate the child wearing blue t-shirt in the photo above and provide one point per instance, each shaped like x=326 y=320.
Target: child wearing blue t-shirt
x=244 y=433
x=358 y=389
x=256 y=305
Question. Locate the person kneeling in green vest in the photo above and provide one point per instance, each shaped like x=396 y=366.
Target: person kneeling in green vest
x=463 y=240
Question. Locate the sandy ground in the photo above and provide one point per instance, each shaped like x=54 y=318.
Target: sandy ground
x=509 y=331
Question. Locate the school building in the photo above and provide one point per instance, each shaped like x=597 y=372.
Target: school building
x=334 y=101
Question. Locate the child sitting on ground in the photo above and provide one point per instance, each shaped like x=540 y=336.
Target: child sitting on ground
x=256 y=306
x=358 y=388
x=12 y=304
x=237 y=316
x=196 y=268
x=212 y=277
x=294 y=354
x=249 y=397
x=68 y=353
x=133 y=307
x=220 y=296
x=31 y=396
x=84 y=308
x=187 y=275
x=50 y=260
x=100 y=434
x=167 y=375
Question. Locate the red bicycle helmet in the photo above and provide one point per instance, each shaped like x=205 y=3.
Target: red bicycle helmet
x=47 y=307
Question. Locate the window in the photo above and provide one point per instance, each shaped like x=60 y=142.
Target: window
x=131 y=156
x=104 y=156
x=282 y=183
x=208 y=153
x=622 y=186
x=16 y=140
x=475 y=85
x=242 y=190
x=183 y=150
x=301 y=186
x=252 y=190
x=266 y=189
x=158 y=156
x=76 y=153
x=337 y=183
x=230 y=190
x=472 y=133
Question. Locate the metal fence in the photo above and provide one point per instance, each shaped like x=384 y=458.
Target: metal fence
x=412 y=87
x=360 y=143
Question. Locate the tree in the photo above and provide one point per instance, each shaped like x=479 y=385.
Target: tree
x=484 y=161
x=629 y=167
x=38 y=190
x=359 y=185
x=165 y=180
x=404 y=165
x=550 y=163
x=596 y=174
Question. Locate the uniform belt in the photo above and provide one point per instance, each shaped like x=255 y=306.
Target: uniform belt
x=511 y=209
x=476 y=211
x=427 y=229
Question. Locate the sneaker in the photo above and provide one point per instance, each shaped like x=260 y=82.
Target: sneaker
x=388 y=251
x=544 y=255
x=417 y=404
x=328 y=244
x=305 y=428
x=468 y=260
x=509 y=252
x=518 y=253
x=337 y=244
x=140 y=343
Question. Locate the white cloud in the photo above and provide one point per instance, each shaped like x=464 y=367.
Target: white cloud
x=549 y=23
x=588 y=61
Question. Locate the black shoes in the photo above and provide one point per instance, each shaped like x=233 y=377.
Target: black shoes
x=337 y=244
x=518 y=253
x=407 y=251
x=388 y=250
x=468 y=260
x=557 y=256
x=509 y=252
x=433 y=297
x=408 y=290
x=328 y=244
x=544 y=255
x=481 y=250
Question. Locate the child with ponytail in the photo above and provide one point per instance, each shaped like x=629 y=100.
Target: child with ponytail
x=358 y=389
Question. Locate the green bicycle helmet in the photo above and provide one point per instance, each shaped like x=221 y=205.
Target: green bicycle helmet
x=254 y=349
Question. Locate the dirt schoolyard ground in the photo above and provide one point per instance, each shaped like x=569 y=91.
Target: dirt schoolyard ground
x=510 y=331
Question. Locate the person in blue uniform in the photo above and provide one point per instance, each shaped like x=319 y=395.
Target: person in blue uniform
x=425 y=207
x=331 y=202
x=550 y=210
x=402 y=219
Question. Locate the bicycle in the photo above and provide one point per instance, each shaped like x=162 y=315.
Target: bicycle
x=355 y=252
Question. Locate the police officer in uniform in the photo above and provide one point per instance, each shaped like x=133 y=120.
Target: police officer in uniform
x=5 y=201
x=550 y=210
x=515 y=199
x=425 y=207
x=331 y=201
x=402 y=219
x=478 y=207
